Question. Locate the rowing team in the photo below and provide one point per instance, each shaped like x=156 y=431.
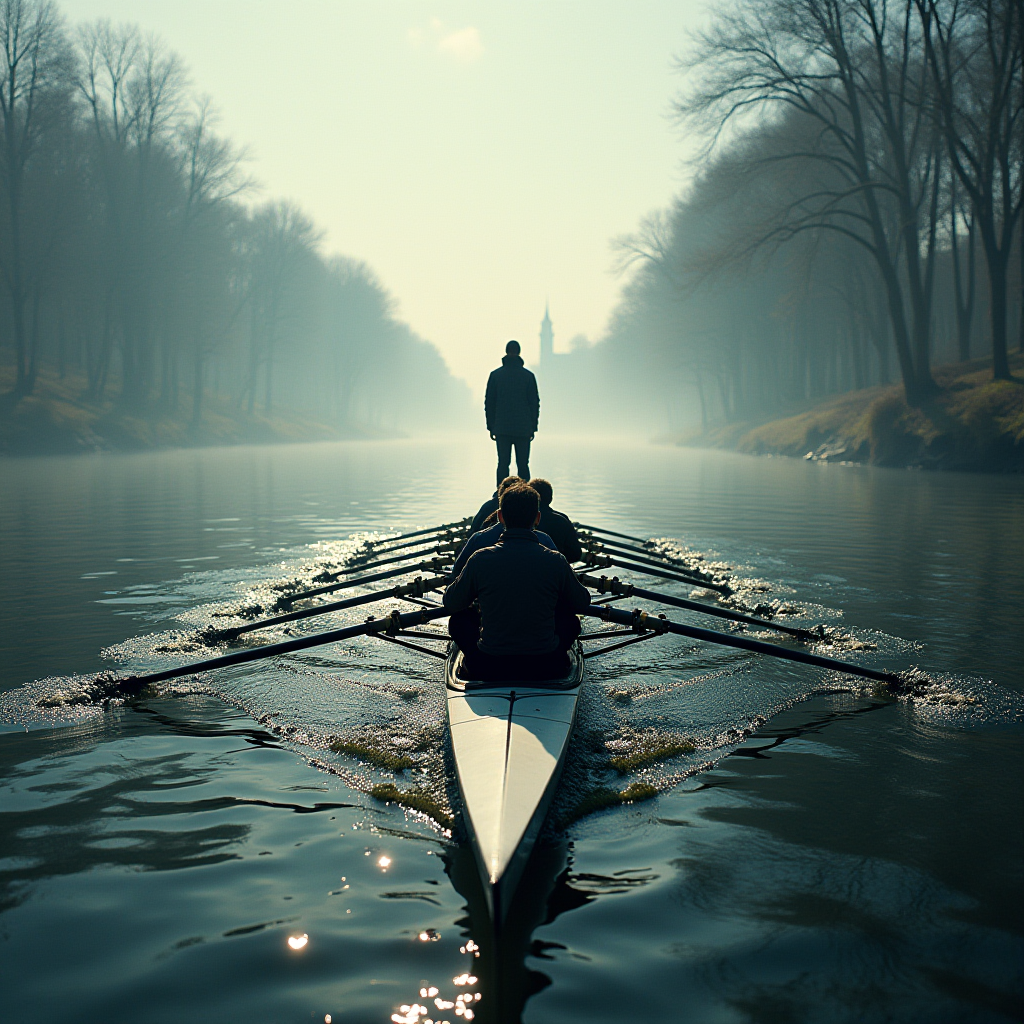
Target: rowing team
x=513 y=597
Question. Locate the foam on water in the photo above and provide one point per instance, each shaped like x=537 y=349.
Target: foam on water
x=652 y=716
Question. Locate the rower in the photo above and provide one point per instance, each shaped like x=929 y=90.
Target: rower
x=528 y=600
x=490 y=507
x=557 y=525
x=485 y=538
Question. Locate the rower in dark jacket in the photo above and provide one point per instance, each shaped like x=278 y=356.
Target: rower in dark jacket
x=488 y=537
x=555 y=524
x=528 y=597
x=490 y=507
x=512 y=409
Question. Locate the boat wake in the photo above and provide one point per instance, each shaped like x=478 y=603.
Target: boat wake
x=650 y=717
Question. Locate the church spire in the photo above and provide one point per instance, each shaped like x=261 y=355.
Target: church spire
x=547 y=338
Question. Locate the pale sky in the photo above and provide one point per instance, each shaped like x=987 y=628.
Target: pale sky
x=479 y=156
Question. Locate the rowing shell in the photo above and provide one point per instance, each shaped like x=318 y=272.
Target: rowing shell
x=509 y=742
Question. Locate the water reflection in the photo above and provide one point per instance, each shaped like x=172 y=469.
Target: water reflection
x=851 y=858
x=548 y=890
x=68 y=811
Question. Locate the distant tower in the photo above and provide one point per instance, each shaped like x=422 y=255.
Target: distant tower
x=547 y=339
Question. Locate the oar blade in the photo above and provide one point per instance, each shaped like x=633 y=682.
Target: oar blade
x=642 y=621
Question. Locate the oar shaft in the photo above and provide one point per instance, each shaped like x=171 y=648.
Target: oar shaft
x=447 y=535
x=608 y=562
x=434 y=565
x=609 y=533
x=640 y=620
x=615 y=586
x=647 y=553
x=394 y=622
x=421 y=533
x=417 y=588
x=357 y=566
x=407 y=557
x=703 y=577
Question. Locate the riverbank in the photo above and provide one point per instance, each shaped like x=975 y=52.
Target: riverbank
x=972 y=424
x=58 y=419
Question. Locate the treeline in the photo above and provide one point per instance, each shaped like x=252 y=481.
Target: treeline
x=856 y=216
x=132 y=252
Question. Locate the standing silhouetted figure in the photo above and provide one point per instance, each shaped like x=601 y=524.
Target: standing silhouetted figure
x=512 y=408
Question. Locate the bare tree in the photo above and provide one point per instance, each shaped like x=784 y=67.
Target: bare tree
x=281 y=239
x=852 y=74
x=129 y=256
x=963 y=290
x=976 y=57
x=35 y=64
x=212 y=175
x=134 y=90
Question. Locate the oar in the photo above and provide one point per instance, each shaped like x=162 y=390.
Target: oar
x=600 y=546
x=431 y=565
x=409 y=556
x=391 y=625
x=606 y=562
x=421 y=533
x=612 y=545
x=611 y=533
x=641 y=622
x=615 y=586
x=455 y=536
x=417 y=588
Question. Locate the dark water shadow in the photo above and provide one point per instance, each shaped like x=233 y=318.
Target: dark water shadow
x=504 y=977
x=118 y=813
x=75 y=835
x=547 y=890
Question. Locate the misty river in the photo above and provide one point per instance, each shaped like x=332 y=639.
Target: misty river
x=824 y=853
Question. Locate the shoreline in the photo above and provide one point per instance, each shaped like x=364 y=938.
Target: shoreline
x=57 y=419
x=973 y=424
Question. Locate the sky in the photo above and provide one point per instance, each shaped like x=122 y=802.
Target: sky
x=478 y=156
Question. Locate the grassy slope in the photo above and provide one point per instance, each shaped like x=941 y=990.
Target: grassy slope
x=57 y=419
x=974 y=423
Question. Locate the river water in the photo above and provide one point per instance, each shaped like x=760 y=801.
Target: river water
x=824 y=853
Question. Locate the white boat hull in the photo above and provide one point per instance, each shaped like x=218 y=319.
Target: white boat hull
x=509 y=742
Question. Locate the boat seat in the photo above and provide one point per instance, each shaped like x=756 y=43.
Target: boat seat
x=535 y=672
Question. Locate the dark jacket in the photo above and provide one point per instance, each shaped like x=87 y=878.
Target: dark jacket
x=560 y=529
x=489 y=507
x=484 y=539
x=512 y=404
x=518 y=584
x=555 y=524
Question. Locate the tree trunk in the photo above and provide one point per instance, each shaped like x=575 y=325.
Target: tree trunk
x=268 y=396
x=197 y=387
x=62 y=341
x=1020 y=310
x=703 y=402
x=997 y=293
x=16 y=287
x=964 y=303
x=900 y=336
x=33 y=362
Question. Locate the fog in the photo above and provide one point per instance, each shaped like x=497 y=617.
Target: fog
x=842 y=213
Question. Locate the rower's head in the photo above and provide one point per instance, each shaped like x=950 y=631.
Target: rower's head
x=544 y=489
x=519 y=508
x=512 y=348
x=510 y=481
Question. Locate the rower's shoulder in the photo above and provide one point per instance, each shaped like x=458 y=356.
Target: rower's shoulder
x=553 y=555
